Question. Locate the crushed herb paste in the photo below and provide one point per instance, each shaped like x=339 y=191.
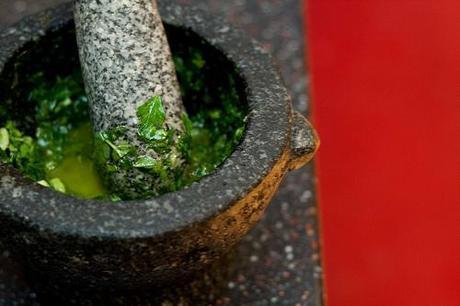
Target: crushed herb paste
x=60 y=153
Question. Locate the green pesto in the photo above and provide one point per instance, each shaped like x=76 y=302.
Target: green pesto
x=60 y=154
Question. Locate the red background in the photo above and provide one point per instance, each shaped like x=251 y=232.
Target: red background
x=386 y=101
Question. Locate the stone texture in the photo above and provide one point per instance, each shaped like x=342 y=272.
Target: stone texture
x=126 y=60
x=137 y=244
x=304 y=141
x=277 y=262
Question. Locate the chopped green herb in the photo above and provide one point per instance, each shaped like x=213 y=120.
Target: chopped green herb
x=4 y=139
x=165 y=154
x=59 y=150
x=43 y=183
x=57 y=185
x=145 y=162
x=198 y=61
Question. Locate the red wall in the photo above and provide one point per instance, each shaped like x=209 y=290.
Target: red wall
x=386 y=101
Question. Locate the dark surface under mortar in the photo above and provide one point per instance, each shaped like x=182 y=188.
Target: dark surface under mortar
x=277 y=262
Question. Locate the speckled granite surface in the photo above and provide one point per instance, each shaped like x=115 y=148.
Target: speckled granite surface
x=277 y=263
x=128 y=27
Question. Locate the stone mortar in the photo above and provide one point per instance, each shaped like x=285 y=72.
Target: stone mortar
x=158 y=241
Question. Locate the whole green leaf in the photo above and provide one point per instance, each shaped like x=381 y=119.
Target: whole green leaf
x=151 y=117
